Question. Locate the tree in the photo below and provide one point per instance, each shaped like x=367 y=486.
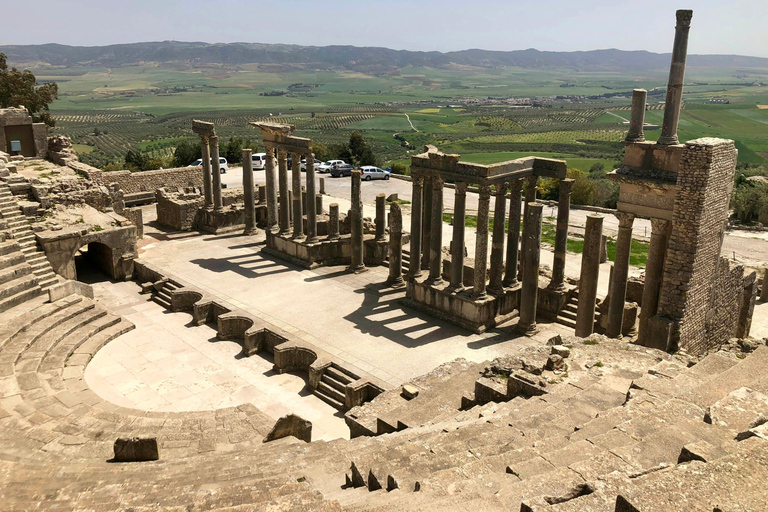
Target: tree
x=19 y=88
x=186 y=153
x=135 y=161
x=583 y=191
x=360 y=151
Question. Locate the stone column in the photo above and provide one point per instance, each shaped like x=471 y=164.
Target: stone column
x=318 y=205
x=529 y=292
x=495 y=287
x=604 y=249
x=654 y=272
x=481 y=244
x=414 y=269
x=248 y=195
x=216 y=173
x=513 y=233
x=282 y=166
x=620 y=273
x=333 y=221
x=395 y=279
x=426 y=223
x=676 y=76
x=322 y=186
x=206 y=153
x=590 y=272
x=637 y=121
x=457 y=242
x=358 y=248
x=262 y=193
x=269 y=172
x=311 y=200
x=436 y=238
x=561 y=234
x=764 y=291
x=381 y=219
x=298 y=221
x=530 y=197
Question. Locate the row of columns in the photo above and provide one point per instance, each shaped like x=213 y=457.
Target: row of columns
x=209 y=146
x=280 y=218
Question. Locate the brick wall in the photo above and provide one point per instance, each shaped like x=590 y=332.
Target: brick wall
x=723 y=310
x=149 y=181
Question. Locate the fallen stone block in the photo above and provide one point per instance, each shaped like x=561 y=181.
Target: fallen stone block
x=291 y=425
x=555 y=362
x=410 y=391
x=136 y=449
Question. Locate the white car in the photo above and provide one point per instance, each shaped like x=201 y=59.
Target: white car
x=259 y=161
x=223 y=167
x=322 y=167
x=371 y=172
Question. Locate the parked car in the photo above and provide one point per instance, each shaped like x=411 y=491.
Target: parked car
x=334 y=163
x=223 y=167
x=371 y=172
x=322 y=167
x=341 y=170
x=259 y=161
x=303 y=166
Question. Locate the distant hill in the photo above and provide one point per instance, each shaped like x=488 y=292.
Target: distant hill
x=364 y=59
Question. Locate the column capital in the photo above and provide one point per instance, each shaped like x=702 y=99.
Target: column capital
x=281 y=153
x=566 y=185
x=659 y=226
x=419 y=182
x=625 y=219
x=501 y=189
x=204 y=139
x=684 y=18
x=214 y=139
x=461 y=187
x=485 y=192
x=438 y=183
x=515 y=186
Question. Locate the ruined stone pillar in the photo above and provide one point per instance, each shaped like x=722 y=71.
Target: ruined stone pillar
x=298 y=216
x=590 y=272
x=318 y=205
x=216 y=173
x=311 y=198
x=282 y=166
x=481 y=244
x=513 y=233
x=604 y=249
x=561 y=234
x=248 y=195
x=529 y=292
x=496 y=287
x=764 y=291
x=457 y=242
x=637 y=121
x=676 y=75
x=333 y=221
x=262 y=194
x=436 y=238
x=395 y=279
x=381 y=220
x=620 y=273
x=414 y=269
x=269 y=172
x=426 y=220
x=530 y=196
x=322 y=186
x=206 y=153
x=654 y=271
x=358 y=248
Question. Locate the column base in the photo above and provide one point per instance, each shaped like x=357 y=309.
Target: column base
x=397 y=282
x=527 y=329
x=250 y=232
x=357 y=269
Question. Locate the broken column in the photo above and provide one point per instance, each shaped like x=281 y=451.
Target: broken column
x=457 y=240
x=530 y=262
x=561 y=234
x=282 y=169
x=333 y=221
x=436 y=238
x=322 y=186
x=269 y=172
x=381 y=222
x=496 y=287
x=620 y=274
x=637 y=119
x=513 y=233
x=481 y=244
x=248 y=196
x=206 y=153
x=298 y=223
x=414 y=269
x=590 y=272
x=216 y=173
x=311 y=198
x=395 y=279
x=676 y=76
x=654 y=270
x=357 y=246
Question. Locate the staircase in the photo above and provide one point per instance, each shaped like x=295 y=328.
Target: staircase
x=332 y=383
x=21 y=232
x=163 y=296
x=567 y=316
x=406 y=260
x=18 y=283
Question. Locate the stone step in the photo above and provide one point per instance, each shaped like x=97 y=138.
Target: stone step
x=48 y=339
x=47 y=282
x=19 y=298
x=343 y=372
x=566 y=322
x=327 y=379
x=14 y=272
x=20 y=283
x=567 y=315
x=165 y=295
x=11 y=259
x=330 y=396
x=571 y=307
x=338 y=375
x=160 y=300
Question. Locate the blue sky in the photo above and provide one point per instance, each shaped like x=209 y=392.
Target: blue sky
x=736 y=27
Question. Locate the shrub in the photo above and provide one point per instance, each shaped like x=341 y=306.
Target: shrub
x=399 y=168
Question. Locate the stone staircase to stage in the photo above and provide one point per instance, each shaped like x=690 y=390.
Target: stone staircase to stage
x=331 y=387
x=18 y=283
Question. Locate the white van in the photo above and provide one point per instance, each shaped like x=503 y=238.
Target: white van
x=223 y=167
x=259 y=161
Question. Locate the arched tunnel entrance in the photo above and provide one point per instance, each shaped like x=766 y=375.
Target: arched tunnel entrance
x=93 y=263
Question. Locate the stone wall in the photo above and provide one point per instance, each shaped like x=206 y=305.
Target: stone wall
x=178 y=211
x=723 y=311
x=149 y=181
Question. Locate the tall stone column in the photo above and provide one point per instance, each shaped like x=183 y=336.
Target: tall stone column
x=216 y=173
x=436 y=238
x=298 y=221
x=206 y=153
x=513 y=233
x=620 y=273
x=457 y=241
x=248 y=195
x=654 y=272
x=269 y=171
x=530 y=197
x=414 y=269
x=333 y=221
x=496 y=287
x=590 y=272
x=358 y=248
x=311 y=199
x=676 y=76
x=561 y=234
x=529 y=292
x=637 y=121
x=481 y=243
x=282 y=169
x=426 y=223
x=381 y=216
x=395 y=279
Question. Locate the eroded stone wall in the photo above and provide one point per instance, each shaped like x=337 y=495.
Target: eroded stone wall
x=723 y=312
x=149 y=181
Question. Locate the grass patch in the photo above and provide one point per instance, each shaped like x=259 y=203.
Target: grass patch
x=591 y=342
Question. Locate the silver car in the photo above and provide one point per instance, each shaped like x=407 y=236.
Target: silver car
x=371 y=172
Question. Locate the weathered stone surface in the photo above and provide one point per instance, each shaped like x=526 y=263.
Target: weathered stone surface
x=135 y=449
x=291 y=425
